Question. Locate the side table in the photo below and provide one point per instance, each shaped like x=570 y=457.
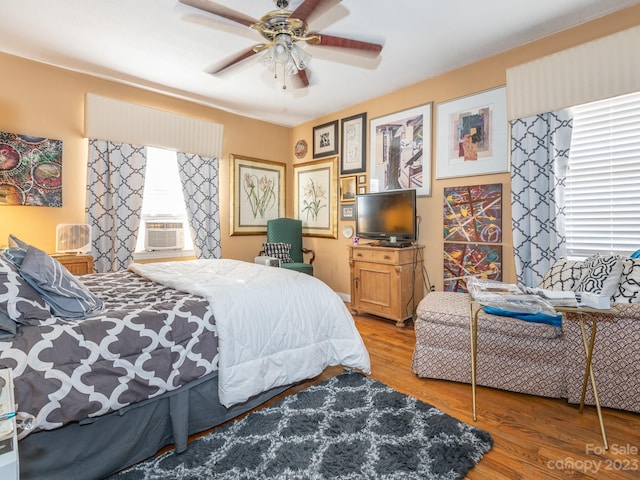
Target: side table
x=572 y=314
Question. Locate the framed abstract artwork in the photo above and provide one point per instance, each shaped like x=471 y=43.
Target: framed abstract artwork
x=30 y=170
x=325 y=139
x=463 y=260
x=400 y=153
x=354 y=144
x=472 y=135
x=258 y=194
x=316 y=198
x=473 y=213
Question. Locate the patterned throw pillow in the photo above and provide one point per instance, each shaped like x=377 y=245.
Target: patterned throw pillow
x=628 y=290
x=18 y=300
x=563 y=275
x=601 y=275
x=278 y=250
x=64 y=293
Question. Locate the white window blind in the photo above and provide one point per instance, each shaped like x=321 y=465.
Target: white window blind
x=603 y=179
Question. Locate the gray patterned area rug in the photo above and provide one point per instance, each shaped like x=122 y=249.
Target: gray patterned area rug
x=347 y=427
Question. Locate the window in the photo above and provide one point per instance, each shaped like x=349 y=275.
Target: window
x=164 y=227
x=602 y=194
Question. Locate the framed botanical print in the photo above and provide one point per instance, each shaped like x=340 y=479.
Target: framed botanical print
x=473 y=136
x=316 y=198
x=325 y=140
x=354 y=144
x=400 y=153
x=258 y=194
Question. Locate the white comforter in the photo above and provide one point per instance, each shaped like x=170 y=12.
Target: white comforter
x=275 y=326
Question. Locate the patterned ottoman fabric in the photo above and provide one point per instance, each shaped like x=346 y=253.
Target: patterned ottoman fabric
x=530 y=358
x=512 y=354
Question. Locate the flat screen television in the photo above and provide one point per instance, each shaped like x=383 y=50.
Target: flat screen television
x=388 y=216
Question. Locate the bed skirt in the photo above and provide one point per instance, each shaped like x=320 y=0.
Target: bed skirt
x=101 y=446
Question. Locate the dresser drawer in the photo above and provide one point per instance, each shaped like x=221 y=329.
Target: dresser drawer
x=376 y=255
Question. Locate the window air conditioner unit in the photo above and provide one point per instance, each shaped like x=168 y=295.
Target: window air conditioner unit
x=163 y=236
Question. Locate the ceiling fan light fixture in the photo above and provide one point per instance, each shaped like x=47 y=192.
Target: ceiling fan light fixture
x=285 y=56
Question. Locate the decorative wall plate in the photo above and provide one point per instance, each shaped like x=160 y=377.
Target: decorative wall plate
x=301 y=149
x=347 y=232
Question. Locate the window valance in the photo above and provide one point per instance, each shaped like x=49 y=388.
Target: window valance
x=602 y=68
x=114 y=120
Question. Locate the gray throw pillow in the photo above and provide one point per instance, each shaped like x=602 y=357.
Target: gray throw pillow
x=67 y=296
x=18 y=300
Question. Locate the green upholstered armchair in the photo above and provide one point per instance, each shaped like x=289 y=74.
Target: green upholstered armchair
x=289 y=230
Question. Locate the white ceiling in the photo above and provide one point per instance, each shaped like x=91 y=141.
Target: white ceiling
x=168 y=47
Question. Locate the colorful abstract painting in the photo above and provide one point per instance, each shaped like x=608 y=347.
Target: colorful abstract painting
x=473 y=213
x=30 y=170
x=462 y=260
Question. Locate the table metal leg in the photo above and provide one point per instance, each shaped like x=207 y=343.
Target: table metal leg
x=588 y=373
x=473 y=330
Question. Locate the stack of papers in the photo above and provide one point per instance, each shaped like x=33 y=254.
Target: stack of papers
x=557 y=298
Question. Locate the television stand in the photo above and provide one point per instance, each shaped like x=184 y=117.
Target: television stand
x=387 y=243
x=386 y=282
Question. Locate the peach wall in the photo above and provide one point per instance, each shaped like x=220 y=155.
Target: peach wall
x=41 y=100
x=332 y=255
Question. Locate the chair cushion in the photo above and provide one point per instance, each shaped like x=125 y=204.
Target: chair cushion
x=279 y=250
x=299 y=267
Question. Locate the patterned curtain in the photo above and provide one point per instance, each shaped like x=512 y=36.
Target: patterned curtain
x=115 y=183
x=539 y=156
x=199 y=177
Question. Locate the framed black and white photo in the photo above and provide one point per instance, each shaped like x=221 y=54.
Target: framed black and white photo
x=325 y=139
x=400 y=153
x=472 y=135
x=354 y=144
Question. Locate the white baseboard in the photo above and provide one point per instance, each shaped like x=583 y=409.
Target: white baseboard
x=345 y=297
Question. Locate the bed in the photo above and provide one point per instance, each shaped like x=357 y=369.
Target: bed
x=174 y=349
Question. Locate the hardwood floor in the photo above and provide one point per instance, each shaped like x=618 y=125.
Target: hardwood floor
x=534 y=437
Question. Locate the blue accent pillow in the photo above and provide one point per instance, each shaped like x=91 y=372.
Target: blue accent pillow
x=555 y=320
x=63 y=292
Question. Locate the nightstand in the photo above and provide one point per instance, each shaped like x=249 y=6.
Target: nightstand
x=76 y=264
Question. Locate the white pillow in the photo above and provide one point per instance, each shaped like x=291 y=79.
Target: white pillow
x=601 y=275
x=628 y=290
x=563 y=275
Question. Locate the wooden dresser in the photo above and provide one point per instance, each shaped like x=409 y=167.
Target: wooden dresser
x=385 y=281
x=76 y=264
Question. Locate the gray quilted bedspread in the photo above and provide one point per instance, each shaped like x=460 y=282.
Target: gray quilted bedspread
x=149 y=339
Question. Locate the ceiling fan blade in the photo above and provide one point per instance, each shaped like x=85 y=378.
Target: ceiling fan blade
x=307 y=7
x=221 y=11
x=331 y=41
x=302 y=75
x=238 y=59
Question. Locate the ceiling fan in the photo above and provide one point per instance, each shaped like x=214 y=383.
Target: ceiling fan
x=282 y=29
